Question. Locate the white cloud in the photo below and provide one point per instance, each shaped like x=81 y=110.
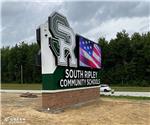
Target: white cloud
x=92 y=19
x=110 y=28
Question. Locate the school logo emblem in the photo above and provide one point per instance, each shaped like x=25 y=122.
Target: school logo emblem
x=62 y=42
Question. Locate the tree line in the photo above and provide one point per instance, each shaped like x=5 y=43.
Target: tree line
x=125 y=61
x=22 y=55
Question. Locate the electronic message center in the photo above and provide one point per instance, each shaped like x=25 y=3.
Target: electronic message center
x=70 y=62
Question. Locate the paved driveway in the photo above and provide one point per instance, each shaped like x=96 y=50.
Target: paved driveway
x=137 y=94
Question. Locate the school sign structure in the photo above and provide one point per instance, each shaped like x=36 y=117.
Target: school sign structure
x=70 y=64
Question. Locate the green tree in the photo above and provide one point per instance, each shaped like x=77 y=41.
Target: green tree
x=20 y=55
x=126 y=60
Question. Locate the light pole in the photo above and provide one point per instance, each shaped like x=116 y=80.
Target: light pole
x=21 y=74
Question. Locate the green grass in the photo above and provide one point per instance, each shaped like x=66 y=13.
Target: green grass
x=39 y=87
x=126 y=97
x=131 y=89
x=21 y=86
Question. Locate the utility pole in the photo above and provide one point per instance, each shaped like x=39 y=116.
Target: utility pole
x=21 y=74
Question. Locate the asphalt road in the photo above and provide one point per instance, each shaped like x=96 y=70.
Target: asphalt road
x=116 y=93
x=135 y=94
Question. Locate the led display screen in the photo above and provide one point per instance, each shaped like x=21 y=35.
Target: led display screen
x=89 y=53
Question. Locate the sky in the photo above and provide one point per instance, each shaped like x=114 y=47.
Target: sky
x=19 y=20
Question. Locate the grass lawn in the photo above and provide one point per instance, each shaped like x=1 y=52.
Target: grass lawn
x=21 y=86
x=131 y=89
x=126 y=97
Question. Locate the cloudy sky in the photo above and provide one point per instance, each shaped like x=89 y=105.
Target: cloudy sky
x=90 y=19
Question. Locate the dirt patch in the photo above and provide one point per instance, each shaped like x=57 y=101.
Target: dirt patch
x=104 y=111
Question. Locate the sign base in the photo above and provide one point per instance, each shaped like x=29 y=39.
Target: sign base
x=65 y=99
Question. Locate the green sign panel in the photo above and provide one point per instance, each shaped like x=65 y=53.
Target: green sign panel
x=64 y=78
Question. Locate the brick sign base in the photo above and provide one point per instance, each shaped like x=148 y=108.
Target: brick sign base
x=68 y=98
